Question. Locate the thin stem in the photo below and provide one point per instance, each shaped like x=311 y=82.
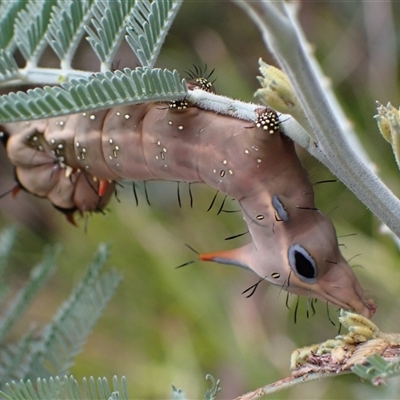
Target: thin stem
x=286 y=383
x=45 y=76
x=223 y=105
x=326 y=85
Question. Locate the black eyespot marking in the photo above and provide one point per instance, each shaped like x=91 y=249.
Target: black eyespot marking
x=302 y=263
x=276 y=275
x=4 y=137
x=280 y=209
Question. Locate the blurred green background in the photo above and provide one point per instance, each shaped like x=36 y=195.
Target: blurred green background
x=169 y=326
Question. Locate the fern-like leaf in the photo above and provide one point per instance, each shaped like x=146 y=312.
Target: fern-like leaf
x=9 y=11
x=378 y=369
x=8 y=67
x=31 y=25
x=109 y=21
x=39 y=275
x=149 y=26
x=64 y=337
x=67 y=388
x=13 y=359
x=102 y=90
x=67 y=26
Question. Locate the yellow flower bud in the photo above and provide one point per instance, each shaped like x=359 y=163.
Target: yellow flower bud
x=277 y=91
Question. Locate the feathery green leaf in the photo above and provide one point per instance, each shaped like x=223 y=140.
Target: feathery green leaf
x=14 y=359
x=103 y=90
x=67 y=26
x=378 y=369
x=109 y=21
x=66 y=388
x=9 y=11
x=23 y=298
x=8 y=67
x=65 y=335
x=30 y=28
x=148 y=27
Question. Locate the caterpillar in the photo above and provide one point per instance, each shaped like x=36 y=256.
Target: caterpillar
x=75 y=161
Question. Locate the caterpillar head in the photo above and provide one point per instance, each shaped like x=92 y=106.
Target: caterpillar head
x=315 y=267
x=302 y=260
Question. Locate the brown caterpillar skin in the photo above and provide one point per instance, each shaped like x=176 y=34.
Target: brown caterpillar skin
x=42 y=172
x=293 y=245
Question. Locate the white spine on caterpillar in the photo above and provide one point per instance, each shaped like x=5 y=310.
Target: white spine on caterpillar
x=73 y=160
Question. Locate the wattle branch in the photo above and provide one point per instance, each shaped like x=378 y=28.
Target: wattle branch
x=286 y=383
